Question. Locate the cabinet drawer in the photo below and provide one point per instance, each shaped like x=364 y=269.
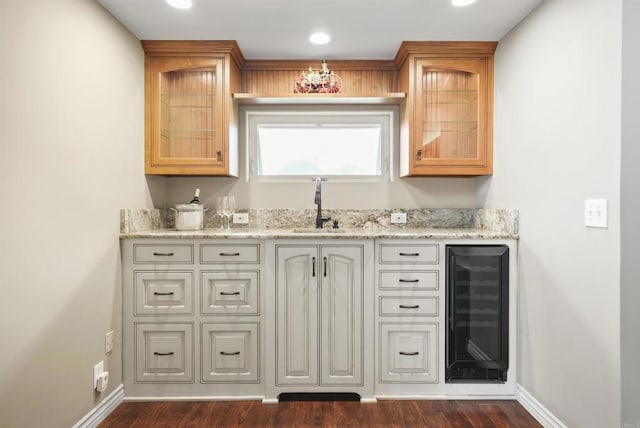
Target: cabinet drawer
x=408 y=353
x=224 y=253
x=409 y=306
x=413 y=280
x=230 y=353
x=164 y=353
x=162 y=253
x=158 y=293
x=230 y=293
x=409 y=254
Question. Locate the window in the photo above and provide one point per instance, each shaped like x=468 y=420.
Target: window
x=350 y=145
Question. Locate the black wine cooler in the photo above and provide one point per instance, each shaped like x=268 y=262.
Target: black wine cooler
x=477 y=337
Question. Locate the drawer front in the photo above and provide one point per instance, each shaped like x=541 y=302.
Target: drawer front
x=230 y=353
x=163 y=293
x=410 y=279
x=409 y=306
x=230 y=253
x=163 y=253
x=409 y=254
x=408 y=353
x=230 y=293
x=164 y=353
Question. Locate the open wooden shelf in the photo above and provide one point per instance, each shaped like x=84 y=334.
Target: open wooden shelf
x=390 y=98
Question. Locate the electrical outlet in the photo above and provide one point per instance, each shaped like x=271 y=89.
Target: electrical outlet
x=100 y=377
x=595 y=213
x=108 y=342
x=241 y=218
x=398 y=218
x=98 y=369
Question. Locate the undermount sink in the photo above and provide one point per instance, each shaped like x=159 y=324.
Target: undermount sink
x=314 y=230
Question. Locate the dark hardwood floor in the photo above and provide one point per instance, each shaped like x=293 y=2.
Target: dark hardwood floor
x=254 y=414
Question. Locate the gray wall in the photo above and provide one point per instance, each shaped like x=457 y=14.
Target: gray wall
x=71 y=155
x=557 y=143
x=630 y=207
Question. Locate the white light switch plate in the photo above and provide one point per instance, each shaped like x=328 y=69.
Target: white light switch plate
x=108 y=342
x=241 y=218
x=398 y=218
x=595 y=212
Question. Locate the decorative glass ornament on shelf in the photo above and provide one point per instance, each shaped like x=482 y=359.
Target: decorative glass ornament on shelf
x=323 y=81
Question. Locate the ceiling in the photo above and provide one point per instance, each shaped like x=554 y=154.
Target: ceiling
x=359 y=29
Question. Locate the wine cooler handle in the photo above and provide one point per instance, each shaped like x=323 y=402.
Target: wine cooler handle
x=451 y=293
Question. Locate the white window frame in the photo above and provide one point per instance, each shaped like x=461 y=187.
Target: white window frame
x=385 y=116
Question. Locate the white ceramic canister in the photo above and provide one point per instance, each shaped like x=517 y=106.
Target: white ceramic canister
x=189 y=216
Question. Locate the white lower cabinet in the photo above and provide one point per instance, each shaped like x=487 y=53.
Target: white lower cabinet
x=249 y=319
x=230 y=352
x=321 y=318
x=409 y=352
x=164 y=352
x=192 y=318
x=409 y=316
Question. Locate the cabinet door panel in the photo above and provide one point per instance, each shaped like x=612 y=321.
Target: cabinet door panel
x=187 y=111
x=163 y=293
x=341 y=315
x=297 y=315
x=164 y=353
x=408 y=353
x=230 y=293
x=230 y=353
x=451 y=112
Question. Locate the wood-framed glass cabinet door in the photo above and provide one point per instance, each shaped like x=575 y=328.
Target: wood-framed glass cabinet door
x=453 y=120
x=185 y=116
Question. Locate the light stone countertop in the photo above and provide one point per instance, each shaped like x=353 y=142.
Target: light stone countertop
x=422 y=223
x=378 y=233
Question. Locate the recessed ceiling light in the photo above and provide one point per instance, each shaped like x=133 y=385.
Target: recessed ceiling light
x=180 y=4
x=461 y=3
x=319 y=38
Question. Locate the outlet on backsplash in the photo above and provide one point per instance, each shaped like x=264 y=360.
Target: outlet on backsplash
x=398 y=218
x=241 y=218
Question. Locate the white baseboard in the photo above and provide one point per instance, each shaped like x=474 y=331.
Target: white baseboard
x=537 y=410
x=102 y=410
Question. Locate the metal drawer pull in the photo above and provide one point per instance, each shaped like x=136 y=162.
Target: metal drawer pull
x=163 y=254
x=409 y=306
x=313 y=269
x=410 y=254
x=229 y=254
x=235 y=293
x=409 y=353
x=324 y=260
x=408 y=280
x=229 y=353
x=170 y=293
x=162 y=354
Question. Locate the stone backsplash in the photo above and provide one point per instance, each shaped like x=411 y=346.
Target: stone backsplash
x=499 y=220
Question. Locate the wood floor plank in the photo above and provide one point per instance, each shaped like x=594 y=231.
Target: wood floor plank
x=326 y=414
